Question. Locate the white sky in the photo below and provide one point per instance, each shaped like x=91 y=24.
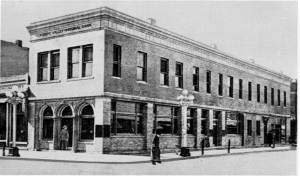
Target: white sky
x=263 y=31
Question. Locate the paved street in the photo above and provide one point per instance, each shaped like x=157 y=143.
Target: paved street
x=271 y=163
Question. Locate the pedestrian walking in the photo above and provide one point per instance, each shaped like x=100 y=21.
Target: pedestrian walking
x=64 y=138
x=156 y=150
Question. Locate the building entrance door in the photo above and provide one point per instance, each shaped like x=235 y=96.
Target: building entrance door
x=69 y=123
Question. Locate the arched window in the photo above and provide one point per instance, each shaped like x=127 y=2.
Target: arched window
x=67 y=111
x=87 y=123
x=48 y=123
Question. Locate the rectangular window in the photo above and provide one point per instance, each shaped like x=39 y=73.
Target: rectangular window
x=204 y=121
x=208 y=81
x=191 y=116
x=43 y=65
x=230 y=88
x=240 y=89
x=127 y=117
x=278 y=97
x=272 y=96
x=220 y=84
x=164 y=71
x=249 y=127
x=54 y=65
x=196 y=78
x=284 y=98
x=73 y=62
x=249 y=91
x=167 y=119
x=117 y=54
x=265 y=94
x=141 y=69
x=258 y=92
x=231 y=123
x=258 y=128
x=179 y=75
x=87 y=61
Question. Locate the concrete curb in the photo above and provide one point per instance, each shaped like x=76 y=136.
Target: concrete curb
x=140 y=162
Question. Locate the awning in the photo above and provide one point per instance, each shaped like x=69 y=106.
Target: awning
x=3 y=100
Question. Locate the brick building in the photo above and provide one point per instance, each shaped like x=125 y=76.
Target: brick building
x=293 y=137
x=114 y=80
x=13 y=72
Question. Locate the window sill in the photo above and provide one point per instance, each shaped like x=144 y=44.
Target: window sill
x=48 y=140
x=125 y=135
x=116 y=77
x=142 y=82
x=178 y=88
x=79 y=79
x=164 y=86
x=48 y=82
x=196 y=92
x=169 y=135
x=86 y=141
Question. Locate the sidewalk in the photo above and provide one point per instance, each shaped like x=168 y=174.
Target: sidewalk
x=68 y=156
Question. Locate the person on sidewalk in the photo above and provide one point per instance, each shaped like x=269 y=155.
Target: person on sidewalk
x=156 y=150
x=64 y=138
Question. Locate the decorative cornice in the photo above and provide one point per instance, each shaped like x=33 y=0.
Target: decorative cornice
x=105 y=17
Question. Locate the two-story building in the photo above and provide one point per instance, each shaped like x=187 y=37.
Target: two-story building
x=114 y=80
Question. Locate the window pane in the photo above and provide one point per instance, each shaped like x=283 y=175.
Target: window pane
x=87 y=128
x=139 y=123
x=164 y=125
x=43 y=60
x=75 y=55
x=88 y=53
x=116 y=70
x=48 y=112
x=140 y=59
x=87 y=110
x=87 y=69
x=54 y=74
x=75 y=71
x=44 y=76
x=162 y=79
x=48 y=129
x=139 y=73
x=55 y=59
x=176 y=81
x=67 y=111
x=125 y=124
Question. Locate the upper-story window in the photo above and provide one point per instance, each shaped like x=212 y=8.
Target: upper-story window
x=179 y=75
x=196 y=78
x=117 y=55
x=258 y=92
x=249 y=91
x=240 y=89
x=265 y=94
x=272 y=96
x=80 y=61
x=220 y=87
x=87 y=61
x=164 y=71
x=230 y=86
x=141 y=69
x=278 y=97
x=208 y=81
x=284 y=98
x=48 y=71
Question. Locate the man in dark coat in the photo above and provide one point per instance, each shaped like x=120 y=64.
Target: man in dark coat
x=64 y=138
x=156 y=150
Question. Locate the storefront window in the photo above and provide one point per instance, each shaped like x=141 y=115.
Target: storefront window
x=191 y=115
x=231 y=123
x=2 y=121
x=204 y=121
x=48 y=123
x=127 y=117
x=87 y=123
x=21 y=125
x=167 y=119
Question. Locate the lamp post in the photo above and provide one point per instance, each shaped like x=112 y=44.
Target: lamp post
x=185 y=99
x=14 y=97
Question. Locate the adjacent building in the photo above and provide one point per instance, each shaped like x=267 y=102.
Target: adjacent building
x=293 y=137
x=13 y=72
x=114 y=79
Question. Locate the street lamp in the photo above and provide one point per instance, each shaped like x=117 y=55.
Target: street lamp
x=14 y=97
x=185 y=99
